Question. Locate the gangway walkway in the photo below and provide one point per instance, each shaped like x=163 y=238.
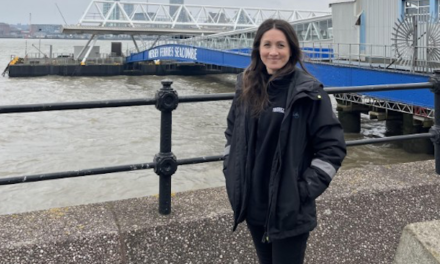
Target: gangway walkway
x=192 y=54
x=231 y=57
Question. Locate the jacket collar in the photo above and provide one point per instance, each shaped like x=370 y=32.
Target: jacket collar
x=302 y=85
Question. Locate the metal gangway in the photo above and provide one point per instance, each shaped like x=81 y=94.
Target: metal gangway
x=314 y=33
x=183 y=16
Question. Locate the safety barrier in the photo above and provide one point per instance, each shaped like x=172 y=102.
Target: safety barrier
x=166 y=100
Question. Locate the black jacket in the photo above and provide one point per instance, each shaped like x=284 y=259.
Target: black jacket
x=310 y=150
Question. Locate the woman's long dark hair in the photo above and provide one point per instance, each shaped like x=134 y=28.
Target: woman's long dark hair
x=255 y=83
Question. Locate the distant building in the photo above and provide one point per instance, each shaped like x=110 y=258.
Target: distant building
x=142 y=16
x=129 y=9
x=218 y=17
x=243 y=19
x=5 y=29
x=42 y=30
x=21 y=27
x=183 y=16
x=115 y=14
x=173 y=9
x=15 y=32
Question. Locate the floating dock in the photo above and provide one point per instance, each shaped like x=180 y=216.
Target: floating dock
x=165 y=68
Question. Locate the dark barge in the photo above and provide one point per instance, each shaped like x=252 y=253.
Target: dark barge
x=164 y=68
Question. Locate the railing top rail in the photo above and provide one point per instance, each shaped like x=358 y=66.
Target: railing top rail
x=106 y=104
x=376 y=88
x=190 y=98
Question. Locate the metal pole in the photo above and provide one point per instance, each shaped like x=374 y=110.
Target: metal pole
x=349 y=54
x=85 y=47
x=166 y=164
x=320 y=51
x=83 y=62
x=339 y=52
x=428 y=33
x=135 y=44
x=414 y=44
x=435 y=130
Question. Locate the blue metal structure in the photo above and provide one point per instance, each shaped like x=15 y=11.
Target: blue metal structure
x=332 y=75
x=329 y=75
x=192 y=54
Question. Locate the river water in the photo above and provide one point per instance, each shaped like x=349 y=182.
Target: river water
x=33 y=143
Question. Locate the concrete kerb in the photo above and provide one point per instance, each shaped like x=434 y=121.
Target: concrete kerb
x=361 y=218
x=82 y=234
x=420 y=243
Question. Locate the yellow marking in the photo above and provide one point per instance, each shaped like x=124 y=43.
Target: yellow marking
x=57 y=212
x=14 y=61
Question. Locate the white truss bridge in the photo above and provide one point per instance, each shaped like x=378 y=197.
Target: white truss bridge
x=140 y=14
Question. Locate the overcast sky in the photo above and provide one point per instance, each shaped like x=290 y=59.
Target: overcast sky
x=45 y=11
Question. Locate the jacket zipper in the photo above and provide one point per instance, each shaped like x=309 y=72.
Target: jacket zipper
x=266 y=235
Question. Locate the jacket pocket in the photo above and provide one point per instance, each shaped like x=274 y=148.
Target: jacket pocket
x=229 y=182
x=307 y=211
x=288 y=204
x=303 y=190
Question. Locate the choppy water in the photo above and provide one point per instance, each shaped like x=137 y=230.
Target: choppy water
x=32 y=143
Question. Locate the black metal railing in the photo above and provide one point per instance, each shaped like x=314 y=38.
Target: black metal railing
x=165 y=162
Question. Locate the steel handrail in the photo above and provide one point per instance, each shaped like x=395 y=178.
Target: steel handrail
x=166 y=100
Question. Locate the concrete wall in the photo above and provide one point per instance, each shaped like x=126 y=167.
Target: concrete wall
x=379 y=18
x=361 y=218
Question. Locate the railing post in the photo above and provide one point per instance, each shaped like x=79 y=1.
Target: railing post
x=435 y=130
x=166 y=164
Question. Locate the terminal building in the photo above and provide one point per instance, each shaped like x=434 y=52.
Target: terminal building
x=373 y=33
x=391 y=33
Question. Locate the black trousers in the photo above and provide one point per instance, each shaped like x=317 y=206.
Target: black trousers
x=290 y=250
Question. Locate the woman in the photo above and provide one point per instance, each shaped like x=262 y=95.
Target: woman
x=284 y=145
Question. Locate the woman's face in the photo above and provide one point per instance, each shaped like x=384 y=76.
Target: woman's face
x=274 y=50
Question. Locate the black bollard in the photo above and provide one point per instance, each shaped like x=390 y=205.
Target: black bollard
x=166 y=163
x=435 y=129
